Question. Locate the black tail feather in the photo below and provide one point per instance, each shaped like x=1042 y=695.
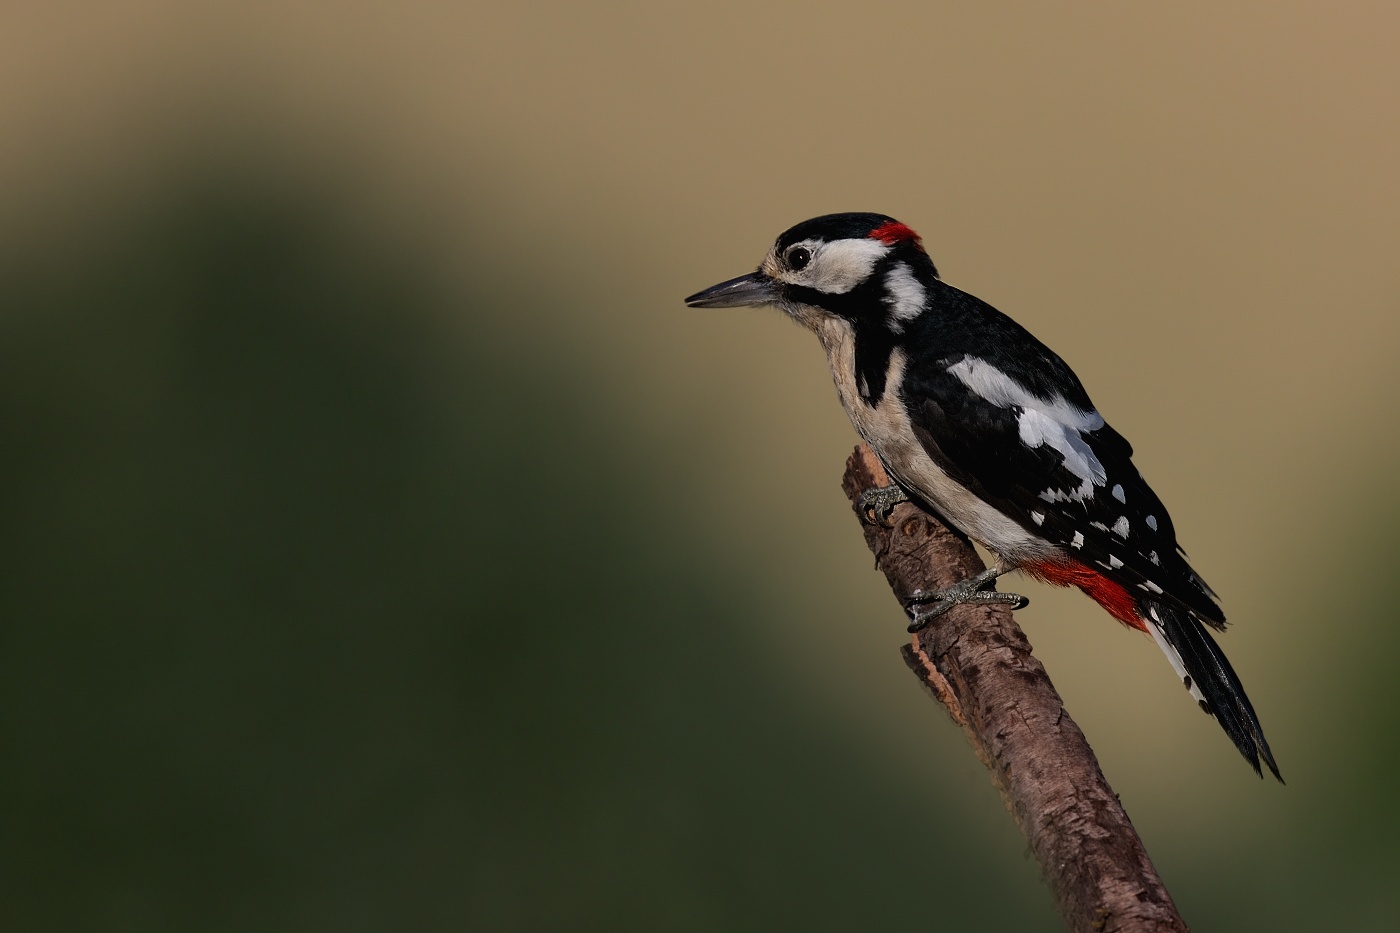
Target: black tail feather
x=1220 y=691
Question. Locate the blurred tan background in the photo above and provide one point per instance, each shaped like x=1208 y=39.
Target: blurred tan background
x=386 y=547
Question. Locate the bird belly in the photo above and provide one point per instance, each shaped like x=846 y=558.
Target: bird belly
x=886 y=427
x=911 y=466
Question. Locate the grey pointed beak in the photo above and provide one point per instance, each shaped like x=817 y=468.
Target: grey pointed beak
x=752 y=289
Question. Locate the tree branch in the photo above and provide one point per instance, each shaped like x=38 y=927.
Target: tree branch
x=976 y=662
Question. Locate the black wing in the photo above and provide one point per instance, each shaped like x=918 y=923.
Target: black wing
x=1111 y=521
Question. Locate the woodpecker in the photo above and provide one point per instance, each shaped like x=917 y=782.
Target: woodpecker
x=975 y=418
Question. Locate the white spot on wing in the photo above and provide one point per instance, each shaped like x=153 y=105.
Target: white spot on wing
x=1120 y=527
x=1099 y=525
x=1114 y=563
x=1054 y=422
x=1078 y=540
x=1037 y=429
x=1151 y=522
x=904 y=294
x=1038 y=517
x=1118 y=494
x=1154 y=558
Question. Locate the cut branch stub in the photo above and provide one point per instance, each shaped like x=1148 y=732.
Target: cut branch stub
x=977 y=663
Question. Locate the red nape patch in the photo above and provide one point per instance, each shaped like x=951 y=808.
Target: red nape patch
x=1112 y=596
x=894 y=232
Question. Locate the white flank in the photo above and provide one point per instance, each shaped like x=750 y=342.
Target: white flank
x=904 y=295
x=1051 y=421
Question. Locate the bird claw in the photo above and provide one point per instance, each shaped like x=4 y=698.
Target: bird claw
x=923 y=608
x=877 y=502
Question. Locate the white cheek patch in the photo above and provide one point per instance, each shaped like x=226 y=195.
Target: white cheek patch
x=841 y=265
x=1054 y=422
x=904 y=295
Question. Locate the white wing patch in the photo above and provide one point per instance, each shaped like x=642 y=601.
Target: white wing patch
x=904 y=295
x=1054 y=422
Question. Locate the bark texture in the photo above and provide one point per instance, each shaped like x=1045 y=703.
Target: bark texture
x=976 y=662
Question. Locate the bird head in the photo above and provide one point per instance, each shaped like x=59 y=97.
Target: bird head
x=860 y=268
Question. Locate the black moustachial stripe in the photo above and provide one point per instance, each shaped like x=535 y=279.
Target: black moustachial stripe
x=874 y=341
x=874 y=348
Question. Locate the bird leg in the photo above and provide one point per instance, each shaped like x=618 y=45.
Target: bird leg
x=876 y=503
x=923 y=607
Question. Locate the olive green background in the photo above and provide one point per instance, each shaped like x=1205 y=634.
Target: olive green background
x=385 y=547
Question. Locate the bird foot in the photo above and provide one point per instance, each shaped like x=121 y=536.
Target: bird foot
x=876 y=503
x=923 y=607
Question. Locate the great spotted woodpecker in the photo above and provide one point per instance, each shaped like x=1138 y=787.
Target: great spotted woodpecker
x=975 y=418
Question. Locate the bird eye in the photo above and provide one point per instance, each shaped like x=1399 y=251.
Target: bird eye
x=798 y=257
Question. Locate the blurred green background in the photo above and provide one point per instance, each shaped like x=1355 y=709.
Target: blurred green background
x=386 y=547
